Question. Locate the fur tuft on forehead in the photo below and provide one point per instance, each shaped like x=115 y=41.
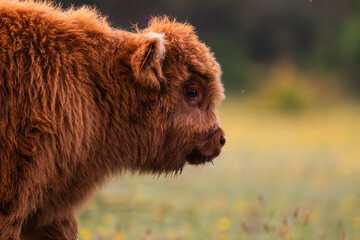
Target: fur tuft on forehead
x=171 y=27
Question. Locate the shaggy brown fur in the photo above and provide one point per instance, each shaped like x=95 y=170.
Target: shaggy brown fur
x=81 y=101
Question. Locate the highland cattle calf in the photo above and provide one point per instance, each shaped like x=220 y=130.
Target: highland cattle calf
x=81 y=101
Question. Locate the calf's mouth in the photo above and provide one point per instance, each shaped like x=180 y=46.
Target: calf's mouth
x=209 y=149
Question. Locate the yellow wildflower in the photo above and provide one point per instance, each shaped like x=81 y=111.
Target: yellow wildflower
x=120 y=236
x=223 y=224
x=86 y=234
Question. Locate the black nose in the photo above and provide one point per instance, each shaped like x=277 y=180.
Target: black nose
x=222 y=140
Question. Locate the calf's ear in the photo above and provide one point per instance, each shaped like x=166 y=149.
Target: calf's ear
x=146 y=61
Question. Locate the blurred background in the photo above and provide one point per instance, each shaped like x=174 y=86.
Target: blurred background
x=291 y=165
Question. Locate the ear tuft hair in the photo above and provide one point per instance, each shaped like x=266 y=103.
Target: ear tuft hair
x=146 y=62
x=161 y=41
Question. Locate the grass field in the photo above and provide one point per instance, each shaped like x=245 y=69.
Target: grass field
x=281 y=176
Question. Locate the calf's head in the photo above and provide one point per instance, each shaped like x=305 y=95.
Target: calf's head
x=178 y=86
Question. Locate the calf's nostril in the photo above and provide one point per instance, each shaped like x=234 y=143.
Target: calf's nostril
x=222 y=140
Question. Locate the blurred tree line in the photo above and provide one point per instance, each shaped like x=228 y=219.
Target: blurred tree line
x=316 y=35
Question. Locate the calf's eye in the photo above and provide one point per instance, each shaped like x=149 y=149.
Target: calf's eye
x=191 y=93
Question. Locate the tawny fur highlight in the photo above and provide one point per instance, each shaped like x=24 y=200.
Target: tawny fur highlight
x=77 y=107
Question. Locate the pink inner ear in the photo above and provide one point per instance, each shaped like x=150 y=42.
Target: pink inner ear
x=146 y=57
